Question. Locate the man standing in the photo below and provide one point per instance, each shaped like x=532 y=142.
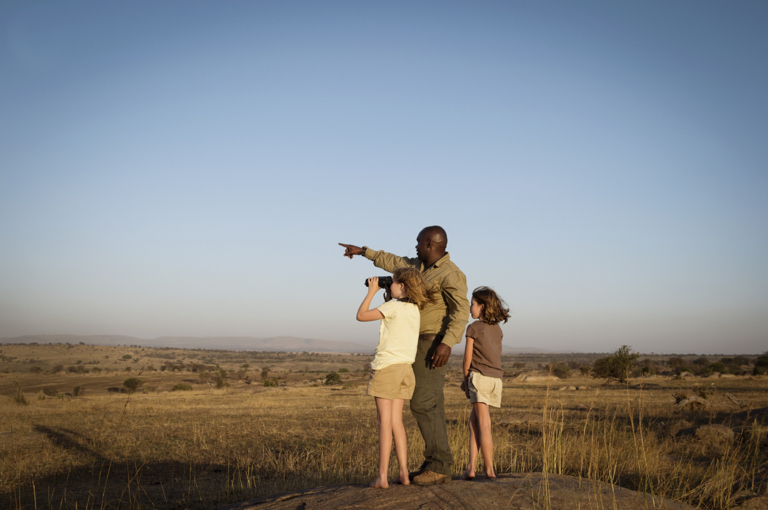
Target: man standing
x=442 y=327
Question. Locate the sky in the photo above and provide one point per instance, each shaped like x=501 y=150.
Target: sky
x=188 y=168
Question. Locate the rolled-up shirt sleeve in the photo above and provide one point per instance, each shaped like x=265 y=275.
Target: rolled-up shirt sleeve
x=389 y=262
x=455 y=296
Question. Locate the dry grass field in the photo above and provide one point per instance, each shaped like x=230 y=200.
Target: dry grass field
x=231 y=438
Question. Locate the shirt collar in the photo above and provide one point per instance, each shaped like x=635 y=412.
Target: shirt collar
x=445 y=258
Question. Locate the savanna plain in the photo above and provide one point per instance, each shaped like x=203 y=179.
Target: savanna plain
x=96 y=427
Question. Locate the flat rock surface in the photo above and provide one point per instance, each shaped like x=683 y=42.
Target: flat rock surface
x=516 y=491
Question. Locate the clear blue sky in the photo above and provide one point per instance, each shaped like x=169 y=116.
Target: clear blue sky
x=187 y=168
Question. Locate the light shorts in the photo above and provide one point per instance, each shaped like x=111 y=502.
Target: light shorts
x=392 y=382
x=484 y=390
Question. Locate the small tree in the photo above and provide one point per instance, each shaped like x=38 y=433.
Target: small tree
x=615 y=367
x=133 y=384
x=332 y=378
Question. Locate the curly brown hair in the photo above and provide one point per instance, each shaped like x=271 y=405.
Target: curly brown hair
x=494 y=308
x=417 y=290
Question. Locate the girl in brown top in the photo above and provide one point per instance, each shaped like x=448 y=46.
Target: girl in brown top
x=483 y=374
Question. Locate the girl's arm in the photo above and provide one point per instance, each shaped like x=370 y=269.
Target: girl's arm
x=468 y=351
x=363 y=313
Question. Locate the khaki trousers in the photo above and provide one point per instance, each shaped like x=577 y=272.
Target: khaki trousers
x=428 y=407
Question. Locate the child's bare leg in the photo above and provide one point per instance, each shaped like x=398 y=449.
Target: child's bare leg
x=384 y=414
x=401 y=446
x=483 y=414
x=474 y=444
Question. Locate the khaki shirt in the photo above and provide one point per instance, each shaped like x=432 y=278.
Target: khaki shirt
x=448 y=317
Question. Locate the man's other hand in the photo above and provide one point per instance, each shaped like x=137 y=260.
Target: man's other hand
x=350 y=250
x=441 y=355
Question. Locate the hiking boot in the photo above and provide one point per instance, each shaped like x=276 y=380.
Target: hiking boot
x=431 y=478
x=414 y=474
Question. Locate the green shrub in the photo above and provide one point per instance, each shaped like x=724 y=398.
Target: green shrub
x=343 y=370
x=132 y=384
x=332 y=378
x=182 y=387
x=559 y=370
x=718 y=367
x=270 y=382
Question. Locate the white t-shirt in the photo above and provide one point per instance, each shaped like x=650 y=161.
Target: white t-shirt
x=398 y=334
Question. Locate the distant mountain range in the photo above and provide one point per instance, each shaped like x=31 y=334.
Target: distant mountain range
x=230 y=343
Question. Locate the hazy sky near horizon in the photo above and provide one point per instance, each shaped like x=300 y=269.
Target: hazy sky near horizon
x=187 y=168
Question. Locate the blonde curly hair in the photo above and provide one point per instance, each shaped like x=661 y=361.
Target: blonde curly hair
x=417 y=290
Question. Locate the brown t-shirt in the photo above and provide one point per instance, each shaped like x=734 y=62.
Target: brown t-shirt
x=486 y=354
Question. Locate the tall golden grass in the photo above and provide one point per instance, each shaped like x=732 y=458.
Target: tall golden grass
x=209 y=447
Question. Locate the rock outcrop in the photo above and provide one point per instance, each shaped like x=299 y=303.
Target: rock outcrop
x=515 y=492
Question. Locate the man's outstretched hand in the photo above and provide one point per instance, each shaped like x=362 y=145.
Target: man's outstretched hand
x=441 y=355
x=351 y=250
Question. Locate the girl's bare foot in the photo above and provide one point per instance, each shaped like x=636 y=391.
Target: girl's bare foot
x=403 y=479
x=380 y=483
x=469 y=474
x=490 y=476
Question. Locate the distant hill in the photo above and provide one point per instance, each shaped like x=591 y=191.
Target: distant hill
x=230 y=343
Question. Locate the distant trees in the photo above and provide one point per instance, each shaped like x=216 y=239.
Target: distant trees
x=761 y=364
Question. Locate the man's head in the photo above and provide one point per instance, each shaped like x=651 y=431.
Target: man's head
x=430 y=244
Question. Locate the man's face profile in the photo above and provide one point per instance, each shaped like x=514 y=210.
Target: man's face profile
x=422 y=244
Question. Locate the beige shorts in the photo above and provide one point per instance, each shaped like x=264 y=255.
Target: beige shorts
x=484 y=390
x=392 y=382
